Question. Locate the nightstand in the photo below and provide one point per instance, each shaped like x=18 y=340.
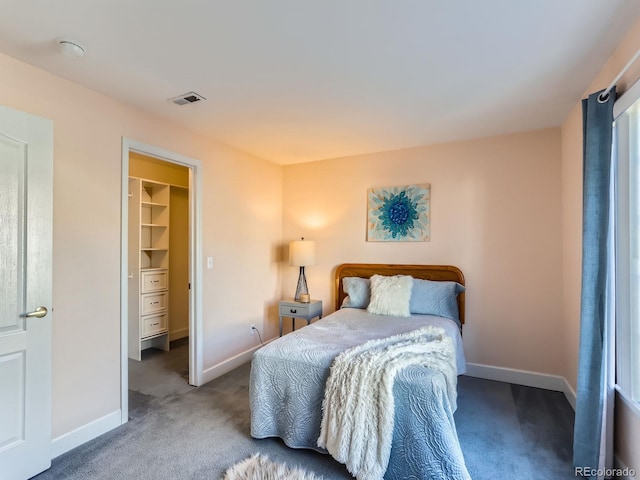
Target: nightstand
x=293 y=309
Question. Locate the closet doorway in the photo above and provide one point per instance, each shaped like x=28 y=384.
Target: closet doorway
x=160 y=296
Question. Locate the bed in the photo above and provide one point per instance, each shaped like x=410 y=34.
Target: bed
x=288 y=377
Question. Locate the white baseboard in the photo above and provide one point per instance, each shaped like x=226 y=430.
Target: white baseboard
x=523 y=377
x=83 y=434
x=178 y=334
x=570 y=393
x=226 y=366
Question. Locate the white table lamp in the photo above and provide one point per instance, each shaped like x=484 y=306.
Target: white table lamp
x=302 y=253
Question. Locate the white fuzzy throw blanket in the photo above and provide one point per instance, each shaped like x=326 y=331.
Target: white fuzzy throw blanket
x=358 y=407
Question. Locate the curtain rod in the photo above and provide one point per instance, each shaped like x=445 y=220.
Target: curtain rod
x=604 y=96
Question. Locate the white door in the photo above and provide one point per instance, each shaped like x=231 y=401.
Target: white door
x=26 y=186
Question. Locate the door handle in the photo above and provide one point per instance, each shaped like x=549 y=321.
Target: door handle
x=38 y=313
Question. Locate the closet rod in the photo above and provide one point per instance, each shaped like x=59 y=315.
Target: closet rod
x=604 y=96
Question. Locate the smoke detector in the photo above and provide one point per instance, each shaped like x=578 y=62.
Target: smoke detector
x=71 y=48
x=191 y=97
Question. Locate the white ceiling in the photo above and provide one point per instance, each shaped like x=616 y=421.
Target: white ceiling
x=300 y=80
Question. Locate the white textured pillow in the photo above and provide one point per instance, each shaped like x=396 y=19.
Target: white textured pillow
x=390 y=295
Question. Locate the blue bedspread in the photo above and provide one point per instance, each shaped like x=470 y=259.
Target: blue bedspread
x=287 y=388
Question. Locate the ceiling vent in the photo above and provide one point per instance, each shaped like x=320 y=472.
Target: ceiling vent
x=191 y=97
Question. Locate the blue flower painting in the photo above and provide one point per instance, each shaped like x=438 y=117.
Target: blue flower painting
x=398 y=214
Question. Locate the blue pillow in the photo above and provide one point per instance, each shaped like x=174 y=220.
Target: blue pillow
x=435 y=298
x=358 y=292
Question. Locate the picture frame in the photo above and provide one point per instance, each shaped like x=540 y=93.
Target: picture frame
x=399 y=214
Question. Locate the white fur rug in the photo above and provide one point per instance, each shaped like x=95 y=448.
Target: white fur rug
x=259 y=467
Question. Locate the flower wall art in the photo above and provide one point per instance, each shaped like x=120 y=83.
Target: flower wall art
x=398 y=214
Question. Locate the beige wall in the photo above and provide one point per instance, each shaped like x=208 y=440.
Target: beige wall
x=571 y=239
x=143 y=166
x=494 y=213
x=627 y=446
x=179 y=264
x=242 y=228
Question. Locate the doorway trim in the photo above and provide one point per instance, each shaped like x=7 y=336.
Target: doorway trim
x=195 y=262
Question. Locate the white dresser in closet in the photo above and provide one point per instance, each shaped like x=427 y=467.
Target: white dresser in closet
x=149 y=211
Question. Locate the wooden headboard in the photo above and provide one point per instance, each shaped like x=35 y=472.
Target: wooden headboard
x=425 y=272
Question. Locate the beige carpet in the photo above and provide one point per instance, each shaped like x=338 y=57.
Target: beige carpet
x=259 y=467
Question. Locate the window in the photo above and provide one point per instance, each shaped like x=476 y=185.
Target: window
x=627 y=241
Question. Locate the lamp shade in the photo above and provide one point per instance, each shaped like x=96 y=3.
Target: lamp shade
x=302 y=253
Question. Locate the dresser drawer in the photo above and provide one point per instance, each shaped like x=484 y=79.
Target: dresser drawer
x=153 y=324
x=154 y=302
x=153 y=281
x=299 y=310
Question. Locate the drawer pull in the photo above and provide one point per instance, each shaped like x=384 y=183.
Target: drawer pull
x=293 y=310
x=154 y=303
x=155 y=281
x=154 y=324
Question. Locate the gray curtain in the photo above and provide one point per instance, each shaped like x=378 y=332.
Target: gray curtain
x=591 y=401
